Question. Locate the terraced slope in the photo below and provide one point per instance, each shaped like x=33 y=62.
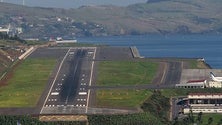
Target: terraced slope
x=9 y=52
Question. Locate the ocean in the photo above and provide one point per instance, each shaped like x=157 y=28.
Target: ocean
x=204 y=46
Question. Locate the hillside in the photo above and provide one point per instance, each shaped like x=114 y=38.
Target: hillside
x=180 y=16
x=161 y=17
x=10 y=50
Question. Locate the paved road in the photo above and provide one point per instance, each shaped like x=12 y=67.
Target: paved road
x=17 y=111
x=71 y=78
x=176 y=109
x=145 y=86
x=66 y=110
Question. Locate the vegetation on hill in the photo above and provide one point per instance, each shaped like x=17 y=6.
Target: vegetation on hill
x=10 y=39
x=155 y=16
x=200 y=119
x=28 y=120
x=152 y=1
x=130 y=119
x=158 y=105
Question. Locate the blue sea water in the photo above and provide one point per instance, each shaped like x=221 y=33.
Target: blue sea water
x=208 y=47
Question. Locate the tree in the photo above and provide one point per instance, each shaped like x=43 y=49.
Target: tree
x=210 y=120
x=191 y=116
x=199 y=117
x=220 y=122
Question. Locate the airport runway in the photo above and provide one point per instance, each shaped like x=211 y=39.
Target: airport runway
x=114 y=54
x=69 y=86
x=173 y=73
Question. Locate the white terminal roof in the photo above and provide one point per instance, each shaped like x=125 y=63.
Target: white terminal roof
x=193 y=83
x=205 y=96
x=196 y=81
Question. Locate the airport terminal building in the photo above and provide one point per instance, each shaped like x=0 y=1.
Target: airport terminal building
x=194 y=84
x=203 y=102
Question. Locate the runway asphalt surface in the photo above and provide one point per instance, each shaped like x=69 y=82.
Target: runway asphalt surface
x=173 y=73
x=69 y=87
x=70 y=90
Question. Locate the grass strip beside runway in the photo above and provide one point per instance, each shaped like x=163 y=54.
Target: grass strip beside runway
x=121 y=98
x=194 y=64
x=112 y=73
x=184 y=92
x=27 y=83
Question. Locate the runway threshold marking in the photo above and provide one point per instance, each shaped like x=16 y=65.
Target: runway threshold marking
x=60 y=66
x=90 y=80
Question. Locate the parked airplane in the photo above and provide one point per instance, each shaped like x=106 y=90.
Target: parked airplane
x=213 y=77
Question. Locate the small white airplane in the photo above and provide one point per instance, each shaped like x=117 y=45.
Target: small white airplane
x=213 y=77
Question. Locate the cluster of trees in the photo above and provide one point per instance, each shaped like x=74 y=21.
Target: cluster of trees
x=129 y=119
x=4 y=36
x=27 y=120
x=158 y=105
x=195 y=119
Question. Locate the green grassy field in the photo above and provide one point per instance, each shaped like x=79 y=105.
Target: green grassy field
x=126 y=73
x=194 y=64
x=27 y=83
x=121 y=98
x=184 y=92
x=205 y=119
x=217 y=119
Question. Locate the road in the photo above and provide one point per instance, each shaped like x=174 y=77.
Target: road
x=144 y=86
x=69 y=87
